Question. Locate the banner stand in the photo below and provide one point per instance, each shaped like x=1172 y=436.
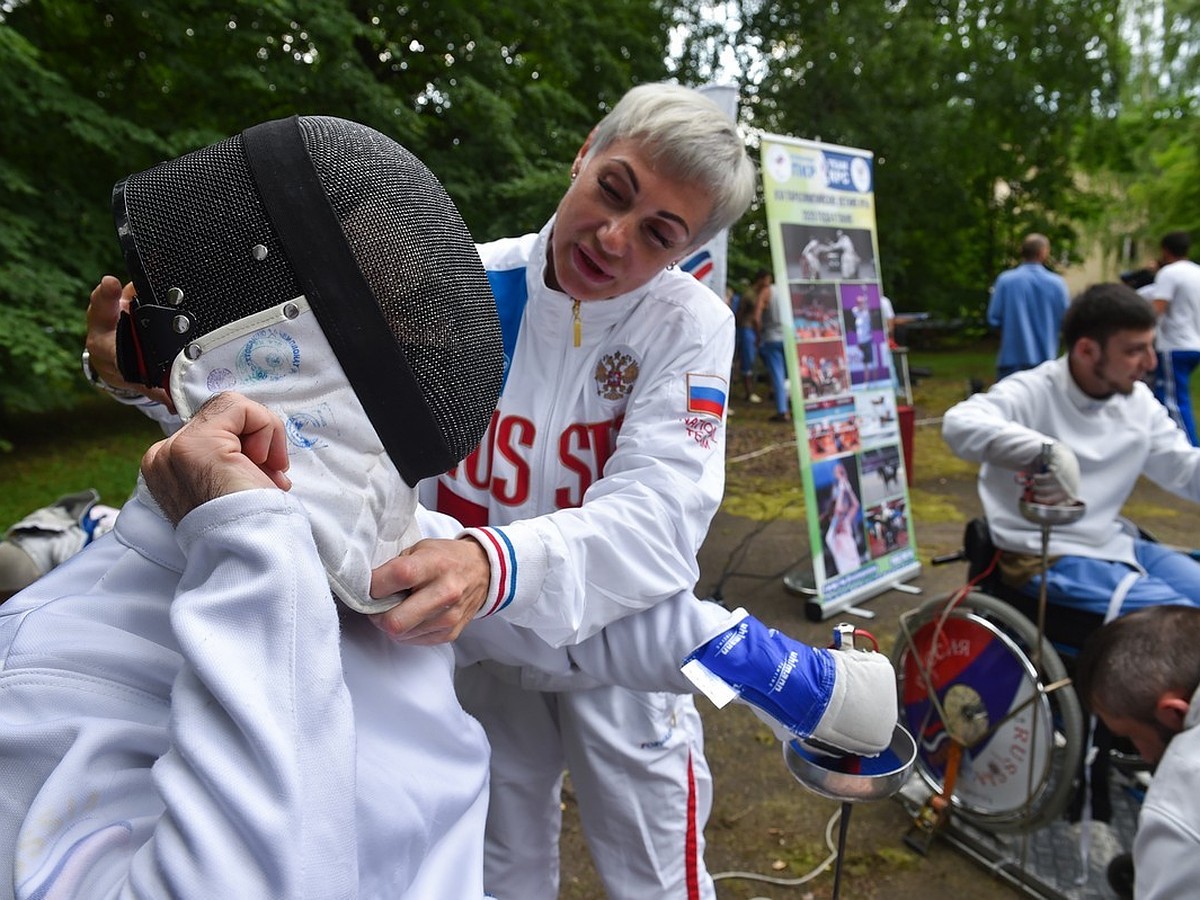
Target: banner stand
x=828 y=296
x=801 y=581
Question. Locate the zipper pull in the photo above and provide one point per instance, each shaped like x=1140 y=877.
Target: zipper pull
x=578 y=323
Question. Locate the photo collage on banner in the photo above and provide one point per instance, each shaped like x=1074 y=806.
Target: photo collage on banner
x=821 y=220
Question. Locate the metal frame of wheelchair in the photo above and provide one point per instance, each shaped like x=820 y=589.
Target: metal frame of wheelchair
x=1000 y=733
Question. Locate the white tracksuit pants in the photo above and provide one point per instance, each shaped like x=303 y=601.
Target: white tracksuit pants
x=637 y=768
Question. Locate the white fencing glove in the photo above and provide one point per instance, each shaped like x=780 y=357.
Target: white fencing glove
x=840 y=702
x=1057 y=482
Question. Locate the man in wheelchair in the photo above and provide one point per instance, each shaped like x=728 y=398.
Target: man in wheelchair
x=1080 y=429
x=1104 y=428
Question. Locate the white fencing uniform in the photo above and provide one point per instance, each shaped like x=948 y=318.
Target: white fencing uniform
x=196 y=722
x=1116 y=440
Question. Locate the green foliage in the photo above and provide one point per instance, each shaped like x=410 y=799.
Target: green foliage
x=1142 y=155
x=972 y=111
x=1172 y=197
x=495 y=98
x=982 y=118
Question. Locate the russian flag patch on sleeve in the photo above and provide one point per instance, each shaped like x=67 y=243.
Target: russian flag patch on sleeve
x=706 y=394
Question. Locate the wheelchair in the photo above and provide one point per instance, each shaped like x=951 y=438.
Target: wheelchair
x=985 y=687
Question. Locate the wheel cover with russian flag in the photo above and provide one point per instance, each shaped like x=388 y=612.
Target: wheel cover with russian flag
x=983 y=682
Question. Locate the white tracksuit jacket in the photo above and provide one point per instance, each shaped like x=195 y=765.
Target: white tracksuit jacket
x=597 y=482
x=208 y=725
x=1166 y=848
x=182 y=715
x=630 y=422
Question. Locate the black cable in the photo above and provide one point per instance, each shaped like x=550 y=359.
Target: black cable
x=738 y=554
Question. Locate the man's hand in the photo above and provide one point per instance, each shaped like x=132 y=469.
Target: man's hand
x=107 y=302
x=1058 y=485
x=231 y=444
x=447 y=583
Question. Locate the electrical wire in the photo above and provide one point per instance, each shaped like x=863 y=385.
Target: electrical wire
x=803 y=879
x=739 y=553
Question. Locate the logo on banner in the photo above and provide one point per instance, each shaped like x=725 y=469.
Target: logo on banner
x=846 y=172
x=779 y=163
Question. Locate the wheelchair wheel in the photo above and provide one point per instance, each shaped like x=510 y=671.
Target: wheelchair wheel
x=1023 y=744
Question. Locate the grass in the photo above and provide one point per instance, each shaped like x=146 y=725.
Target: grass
x=98 y=444
x=764 y=499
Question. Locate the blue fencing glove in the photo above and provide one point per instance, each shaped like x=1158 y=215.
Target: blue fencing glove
x=839 y=702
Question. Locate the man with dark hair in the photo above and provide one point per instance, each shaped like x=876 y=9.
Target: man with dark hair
x=1175 y=295
x=1027 y=307
x=1083 y=427
x=1141 y=675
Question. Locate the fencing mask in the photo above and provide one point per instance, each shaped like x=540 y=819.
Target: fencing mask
x=336 y=212
x=318 y=267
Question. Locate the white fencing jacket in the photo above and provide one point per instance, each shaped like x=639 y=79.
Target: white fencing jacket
x=183 y=714
x=1166 y=848
x=1116 y=440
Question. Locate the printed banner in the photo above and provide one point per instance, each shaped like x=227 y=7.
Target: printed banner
x=820 y=205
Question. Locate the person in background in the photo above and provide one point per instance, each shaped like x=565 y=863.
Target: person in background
x=1175 y=295
x=746 y=321
x=1027 y=306
x=769 y=300
x=1140 y=674
x=1083 y=427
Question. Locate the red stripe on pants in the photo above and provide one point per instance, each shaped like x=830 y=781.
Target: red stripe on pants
x=690 y=852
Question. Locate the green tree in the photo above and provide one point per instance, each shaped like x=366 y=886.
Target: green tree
x=1153 y=153
x=972 y=111
x=495 y=97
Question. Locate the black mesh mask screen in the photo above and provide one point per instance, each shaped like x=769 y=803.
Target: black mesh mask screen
x=342 y=214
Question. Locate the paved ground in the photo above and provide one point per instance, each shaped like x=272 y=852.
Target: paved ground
x=763 y=821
